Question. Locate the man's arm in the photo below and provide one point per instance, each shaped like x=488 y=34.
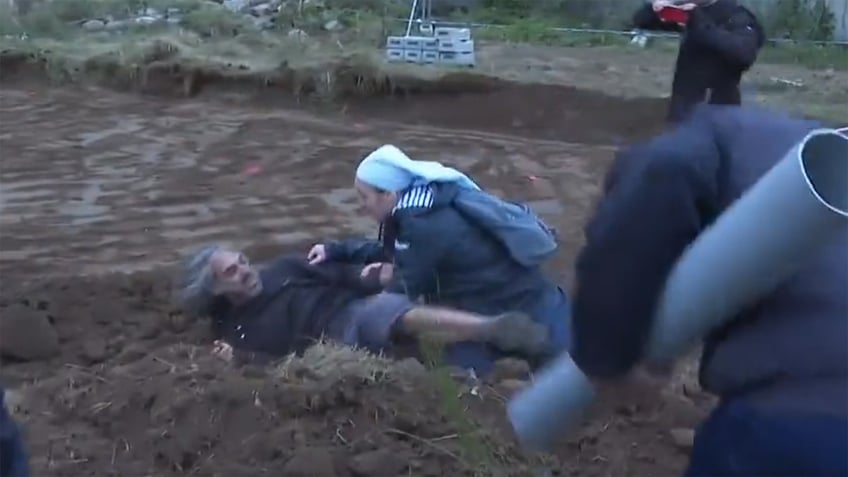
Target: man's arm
x=360 y=251
x=739 y=40
x=651 y=212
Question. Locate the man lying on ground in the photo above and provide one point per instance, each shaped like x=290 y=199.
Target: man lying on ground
x=285 y=306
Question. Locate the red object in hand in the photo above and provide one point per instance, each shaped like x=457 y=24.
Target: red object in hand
x=673 y=15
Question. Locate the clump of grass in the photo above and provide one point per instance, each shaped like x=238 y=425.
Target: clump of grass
x=475 y=451
x=330 y=361
x=215 y=21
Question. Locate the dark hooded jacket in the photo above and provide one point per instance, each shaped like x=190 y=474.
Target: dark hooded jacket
x=443 y=258
x=789 y=350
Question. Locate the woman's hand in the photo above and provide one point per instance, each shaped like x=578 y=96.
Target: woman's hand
x=317 y=254
x=386 y=271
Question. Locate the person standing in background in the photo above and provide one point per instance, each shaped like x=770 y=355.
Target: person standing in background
x=720 y=42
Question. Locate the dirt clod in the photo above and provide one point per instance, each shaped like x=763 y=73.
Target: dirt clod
x=379 y=462
x=26 y=334
x=310 y=462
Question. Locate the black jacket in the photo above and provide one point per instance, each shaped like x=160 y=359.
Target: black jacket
x=790 y=348
x=724 y=35
x=440 y=256
x=298 y=304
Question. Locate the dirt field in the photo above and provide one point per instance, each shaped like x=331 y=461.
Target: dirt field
x=101 y=191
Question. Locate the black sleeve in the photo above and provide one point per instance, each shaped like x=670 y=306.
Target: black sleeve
x=349 y=276
x=331 y=273
x=646 y=18
x=423 y=242
x=648 y=216
x=362 y=251
x=738 y=39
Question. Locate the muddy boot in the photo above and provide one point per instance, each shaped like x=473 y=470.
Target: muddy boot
x=517 y=332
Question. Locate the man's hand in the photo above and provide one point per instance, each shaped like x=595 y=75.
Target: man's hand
x=386 y=271
x=317 y=254
x=223 y=350
x=658 y=5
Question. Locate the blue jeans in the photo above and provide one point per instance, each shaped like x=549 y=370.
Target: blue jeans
x=553 y=311
x=738 y=440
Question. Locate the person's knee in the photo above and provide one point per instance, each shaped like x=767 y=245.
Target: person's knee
x=381 y=320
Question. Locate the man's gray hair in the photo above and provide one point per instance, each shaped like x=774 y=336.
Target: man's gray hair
x=195 y=294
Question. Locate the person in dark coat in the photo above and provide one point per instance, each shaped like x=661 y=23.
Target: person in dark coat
x=720 y=41
x=260 y=313
x=441 y=256
x=781 y=366
x=14 y=461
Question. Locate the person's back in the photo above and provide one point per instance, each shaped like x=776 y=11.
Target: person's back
x=790 y=351
x=474 y=272
x=781 y=366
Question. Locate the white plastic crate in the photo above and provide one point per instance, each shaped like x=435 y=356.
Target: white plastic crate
x=452 y=32
x=451 y=45
x=394 y=54
x=394 y=42
x=412 y=56
x=458 y=59
x=414 y=42
x=429 y=56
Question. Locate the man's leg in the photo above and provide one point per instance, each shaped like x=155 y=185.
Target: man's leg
x=378 y=318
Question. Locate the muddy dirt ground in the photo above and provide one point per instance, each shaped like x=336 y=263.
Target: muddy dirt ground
x=100 y=192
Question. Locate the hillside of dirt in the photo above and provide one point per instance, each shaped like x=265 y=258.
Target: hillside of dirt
x=108 y=178
x=133 y=389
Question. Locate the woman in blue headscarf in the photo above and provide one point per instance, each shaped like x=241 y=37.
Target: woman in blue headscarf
x=451 y=243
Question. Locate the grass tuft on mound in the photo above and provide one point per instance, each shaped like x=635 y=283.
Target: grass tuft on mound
x=330 y=361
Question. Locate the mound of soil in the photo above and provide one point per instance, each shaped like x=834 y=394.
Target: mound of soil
x=465 y=100
x=94 y=320
x=135 y=390
x=180 y=411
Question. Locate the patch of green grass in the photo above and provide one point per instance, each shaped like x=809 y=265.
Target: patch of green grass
x=475 y=451
x=809 y=56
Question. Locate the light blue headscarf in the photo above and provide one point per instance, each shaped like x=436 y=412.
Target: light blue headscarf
x=389 y=169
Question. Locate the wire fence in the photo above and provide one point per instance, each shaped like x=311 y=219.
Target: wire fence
x=822 y=22
x=602 y=31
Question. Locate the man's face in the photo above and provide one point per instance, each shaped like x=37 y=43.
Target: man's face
x=234 y=275
x=377 y=204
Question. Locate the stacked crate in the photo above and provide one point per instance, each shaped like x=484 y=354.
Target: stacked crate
x=455 y=46
x=450 y=46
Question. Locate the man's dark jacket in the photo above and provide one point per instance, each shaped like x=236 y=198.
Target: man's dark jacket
x=719 y=43
x=787 y=351
x=299 y=303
